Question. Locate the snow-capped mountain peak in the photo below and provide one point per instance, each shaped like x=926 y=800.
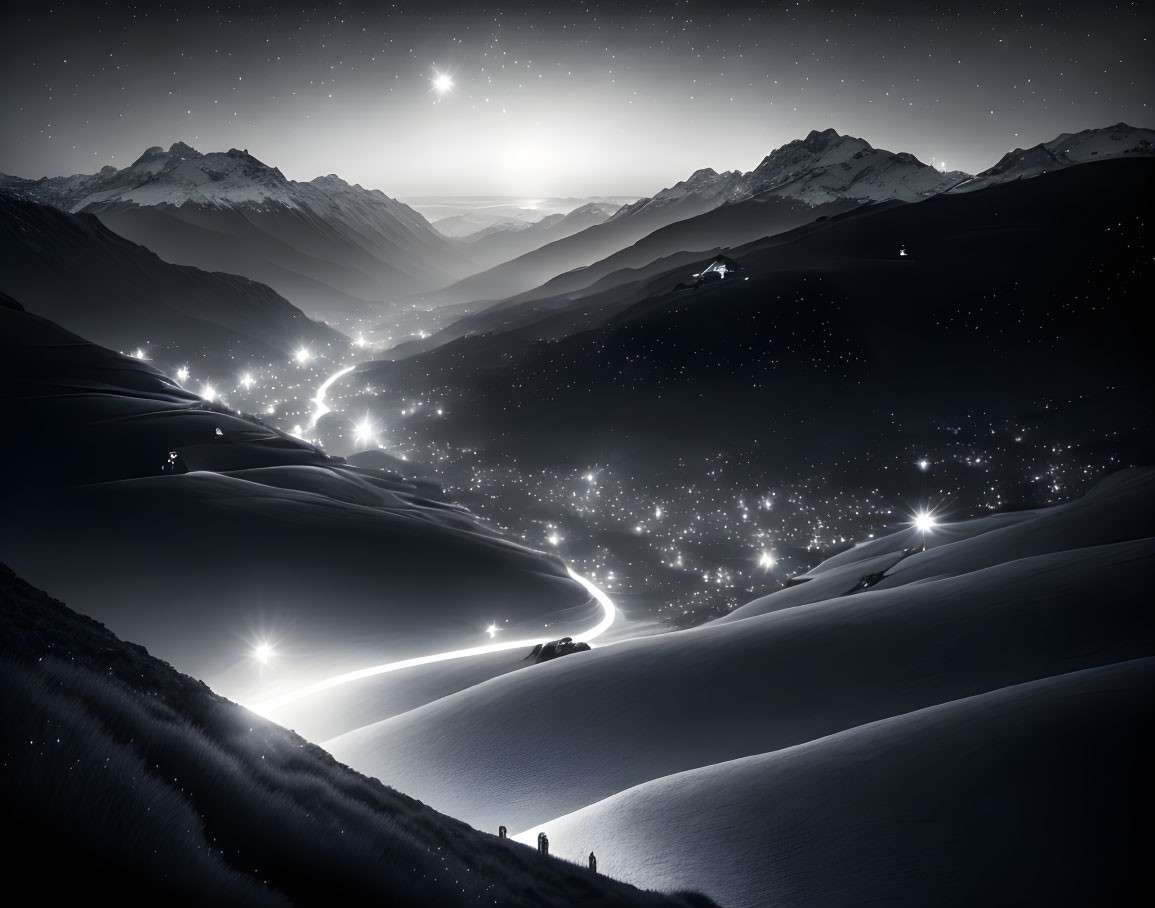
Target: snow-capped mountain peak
x=1066 y=150
x=825 y=166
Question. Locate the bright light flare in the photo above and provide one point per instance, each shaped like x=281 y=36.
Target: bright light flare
x=208 y=392
x=442 y=82
x=492 y=630
x=247 y=381
x=365 y=432
x=302 y=356
x=766 y=561
x=924 y=465
x=924 y=521
x=182 y=373
x=263 y=652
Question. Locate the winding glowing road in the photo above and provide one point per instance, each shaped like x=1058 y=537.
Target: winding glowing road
x=265 y=707
x=320 y=408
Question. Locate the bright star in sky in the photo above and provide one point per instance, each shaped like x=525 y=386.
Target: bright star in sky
x=492 y=630
x=442 y=82
x=263 y=652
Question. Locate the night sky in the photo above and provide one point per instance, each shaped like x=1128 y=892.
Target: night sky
x=558 y=98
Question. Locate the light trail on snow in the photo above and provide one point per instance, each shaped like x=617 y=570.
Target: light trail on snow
x=320 y=408
x=609 y=610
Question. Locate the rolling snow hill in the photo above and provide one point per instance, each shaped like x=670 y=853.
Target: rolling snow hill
x=136 y=784
x=1004 y=671
x=264 y=538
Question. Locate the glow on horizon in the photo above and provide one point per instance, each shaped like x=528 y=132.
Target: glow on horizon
x=265 y=707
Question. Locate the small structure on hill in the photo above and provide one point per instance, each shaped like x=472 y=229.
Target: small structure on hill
x=174 y=463
x=721 y=269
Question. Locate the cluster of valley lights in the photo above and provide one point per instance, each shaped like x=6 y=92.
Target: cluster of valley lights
x=265 y=707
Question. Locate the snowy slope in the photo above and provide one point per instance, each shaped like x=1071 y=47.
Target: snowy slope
x=264 y=538
x=647 y=708
x=1116 y=510
x=1035 y=794
x=142 y=786
x=1065 y=150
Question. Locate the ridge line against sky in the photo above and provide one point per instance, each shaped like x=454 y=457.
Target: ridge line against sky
x=559 y=99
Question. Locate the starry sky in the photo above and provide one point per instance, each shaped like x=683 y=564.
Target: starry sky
x=557 y=98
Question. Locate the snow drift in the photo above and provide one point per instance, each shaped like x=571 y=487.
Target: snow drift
x=140 y=785
x=266 y=537
x=998 y=606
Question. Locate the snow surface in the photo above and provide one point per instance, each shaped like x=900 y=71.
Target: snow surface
x=1026 y=795
x=265 y=538
x=551 y=739
x=130 y=783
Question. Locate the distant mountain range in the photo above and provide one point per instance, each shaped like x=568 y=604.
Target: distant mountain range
x=329 y=247
x=803 y=182
x=502 y=242
x=839 y=320
x=823 y=169
x=83 y=483
x=74 y=270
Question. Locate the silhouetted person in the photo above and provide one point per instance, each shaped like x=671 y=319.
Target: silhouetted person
x=593 y=863
x=543 y=843
x=501 y=832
